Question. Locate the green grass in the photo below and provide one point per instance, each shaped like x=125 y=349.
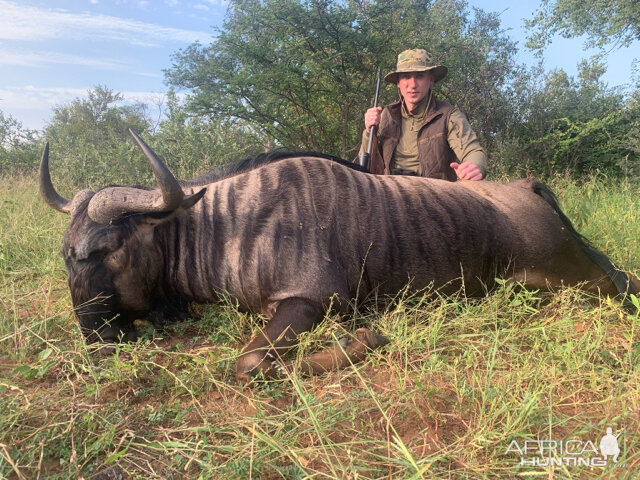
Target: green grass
x=460 y=380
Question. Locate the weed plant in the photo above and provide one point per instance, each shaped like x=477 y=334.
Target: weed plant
x=460 y=381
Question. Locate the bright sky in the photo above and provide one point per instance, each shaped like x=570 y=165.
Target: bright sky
x=52 y=51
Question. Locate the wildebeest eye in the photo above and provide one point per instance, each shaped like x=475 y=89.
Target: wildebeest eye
x=97 y=255
x=89 y=252
x=95 y=246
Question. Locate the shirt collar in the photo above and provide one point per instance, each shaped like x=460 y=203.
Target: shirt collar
x=420 y=109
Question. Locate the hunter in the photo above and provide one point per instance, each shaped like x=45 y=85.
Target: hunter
x=421 y=135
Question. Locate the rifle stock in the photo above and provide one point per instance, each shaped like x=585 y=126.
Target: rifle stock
x=373 y=148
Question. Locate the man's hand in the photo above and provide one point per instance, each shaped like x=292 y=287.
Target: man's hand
x=467 y=171
x=372 y=117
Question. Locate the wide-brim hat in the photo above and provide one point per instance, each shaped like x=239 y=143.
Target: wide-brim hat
x=416 y=60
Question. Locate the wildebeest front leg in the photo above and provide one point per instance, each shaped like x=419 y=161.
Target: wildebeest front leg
x=293 y=316
x=343 y=353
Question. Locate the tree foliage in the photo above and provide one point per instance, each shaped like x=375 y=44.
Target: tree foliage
x=92 y=147
x=90 y=140
x=564 y=124
x=604 y=22
x=194 y=144
x=19 y=146
x=302 y=72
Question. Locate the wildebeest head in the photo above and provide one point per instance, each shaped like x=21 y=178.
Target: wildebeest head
x=113 y=262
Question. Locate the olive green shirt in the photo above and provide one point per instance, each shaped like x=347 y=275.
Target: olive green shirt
x=461 y=138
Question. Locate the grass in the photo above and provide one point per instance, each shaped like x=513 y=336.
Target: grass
x=460 y=381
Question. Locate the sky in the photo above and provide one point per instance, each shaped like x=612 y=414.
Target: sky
x=53 y=51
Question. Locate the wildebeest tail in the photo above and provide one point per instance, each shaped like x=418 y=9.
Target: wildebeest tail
x=620 y=279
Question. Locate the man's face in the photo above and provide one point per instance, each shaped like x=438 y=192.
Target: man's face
x=414 y=87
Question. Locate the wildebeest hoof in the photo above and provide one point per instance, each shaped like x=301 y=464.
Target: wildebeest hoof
x=263 y=372
x=246 y=377
x=371 y=339
x=251 y=366
x=143 y=324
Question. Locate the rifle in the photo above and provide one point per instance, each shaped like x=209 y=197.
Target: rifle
x=364 y=157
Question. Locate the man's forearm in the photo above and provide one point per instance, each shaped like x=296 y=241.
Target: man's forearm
x=478 y=158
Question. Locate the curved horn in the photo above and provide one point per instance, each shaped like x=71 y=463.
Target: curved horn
x=112 y=203
x=109 y=204
x=172 y=193
x=47 y=191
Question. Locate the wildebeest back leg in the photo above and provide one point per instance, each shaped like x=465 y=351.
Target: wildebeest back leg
x=293 y=316
x=576 y=261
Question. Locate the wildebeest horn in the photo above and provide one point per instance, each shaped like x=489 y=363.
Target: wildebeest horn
x=172 y=194
x=113 y=202
x=46 y=187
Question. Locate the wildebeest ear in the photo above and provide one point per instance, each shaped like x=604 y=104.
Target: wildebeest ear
x=191 y=200
x=156 y=219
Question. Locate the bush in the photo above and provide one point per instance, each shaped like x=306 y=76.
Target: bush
x=19 y=147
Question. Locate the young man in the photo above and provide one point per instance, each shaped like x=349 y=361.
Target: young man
x=421 y=135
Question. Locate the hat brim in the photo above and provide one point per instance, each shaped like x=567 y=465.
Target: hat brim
x=439 y=72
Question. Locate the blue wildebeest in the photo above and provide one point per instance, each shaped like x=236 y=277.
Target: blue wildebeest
x=291 y=236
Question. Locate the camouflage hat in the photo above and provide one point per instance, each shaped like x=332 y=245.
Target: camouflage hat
x=417 y=60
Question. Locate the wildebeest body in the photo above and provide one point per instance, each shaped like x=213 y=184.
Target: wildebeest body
x=295 y=228
x=311 y=229
x=290 y=237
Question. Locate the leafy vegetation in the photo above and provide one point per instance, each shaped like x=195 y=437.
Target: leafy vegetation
x=604 y=22
x=572 y=125
x=301 y=72
x=87 y=135
x=459 y=382
x=18 y=147
x=91 y=146
x=194 y=144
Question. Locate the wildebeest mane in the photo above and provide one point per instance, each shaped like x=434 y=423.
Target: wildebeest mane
x=256 y=161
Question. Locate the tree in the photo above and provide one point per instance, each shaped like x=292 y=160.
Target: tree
x=19 y=146
x=90 y=140
x=302 y=71
x=630 y=163
x=570 y=124
x=194 y=144
x=604 y=22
